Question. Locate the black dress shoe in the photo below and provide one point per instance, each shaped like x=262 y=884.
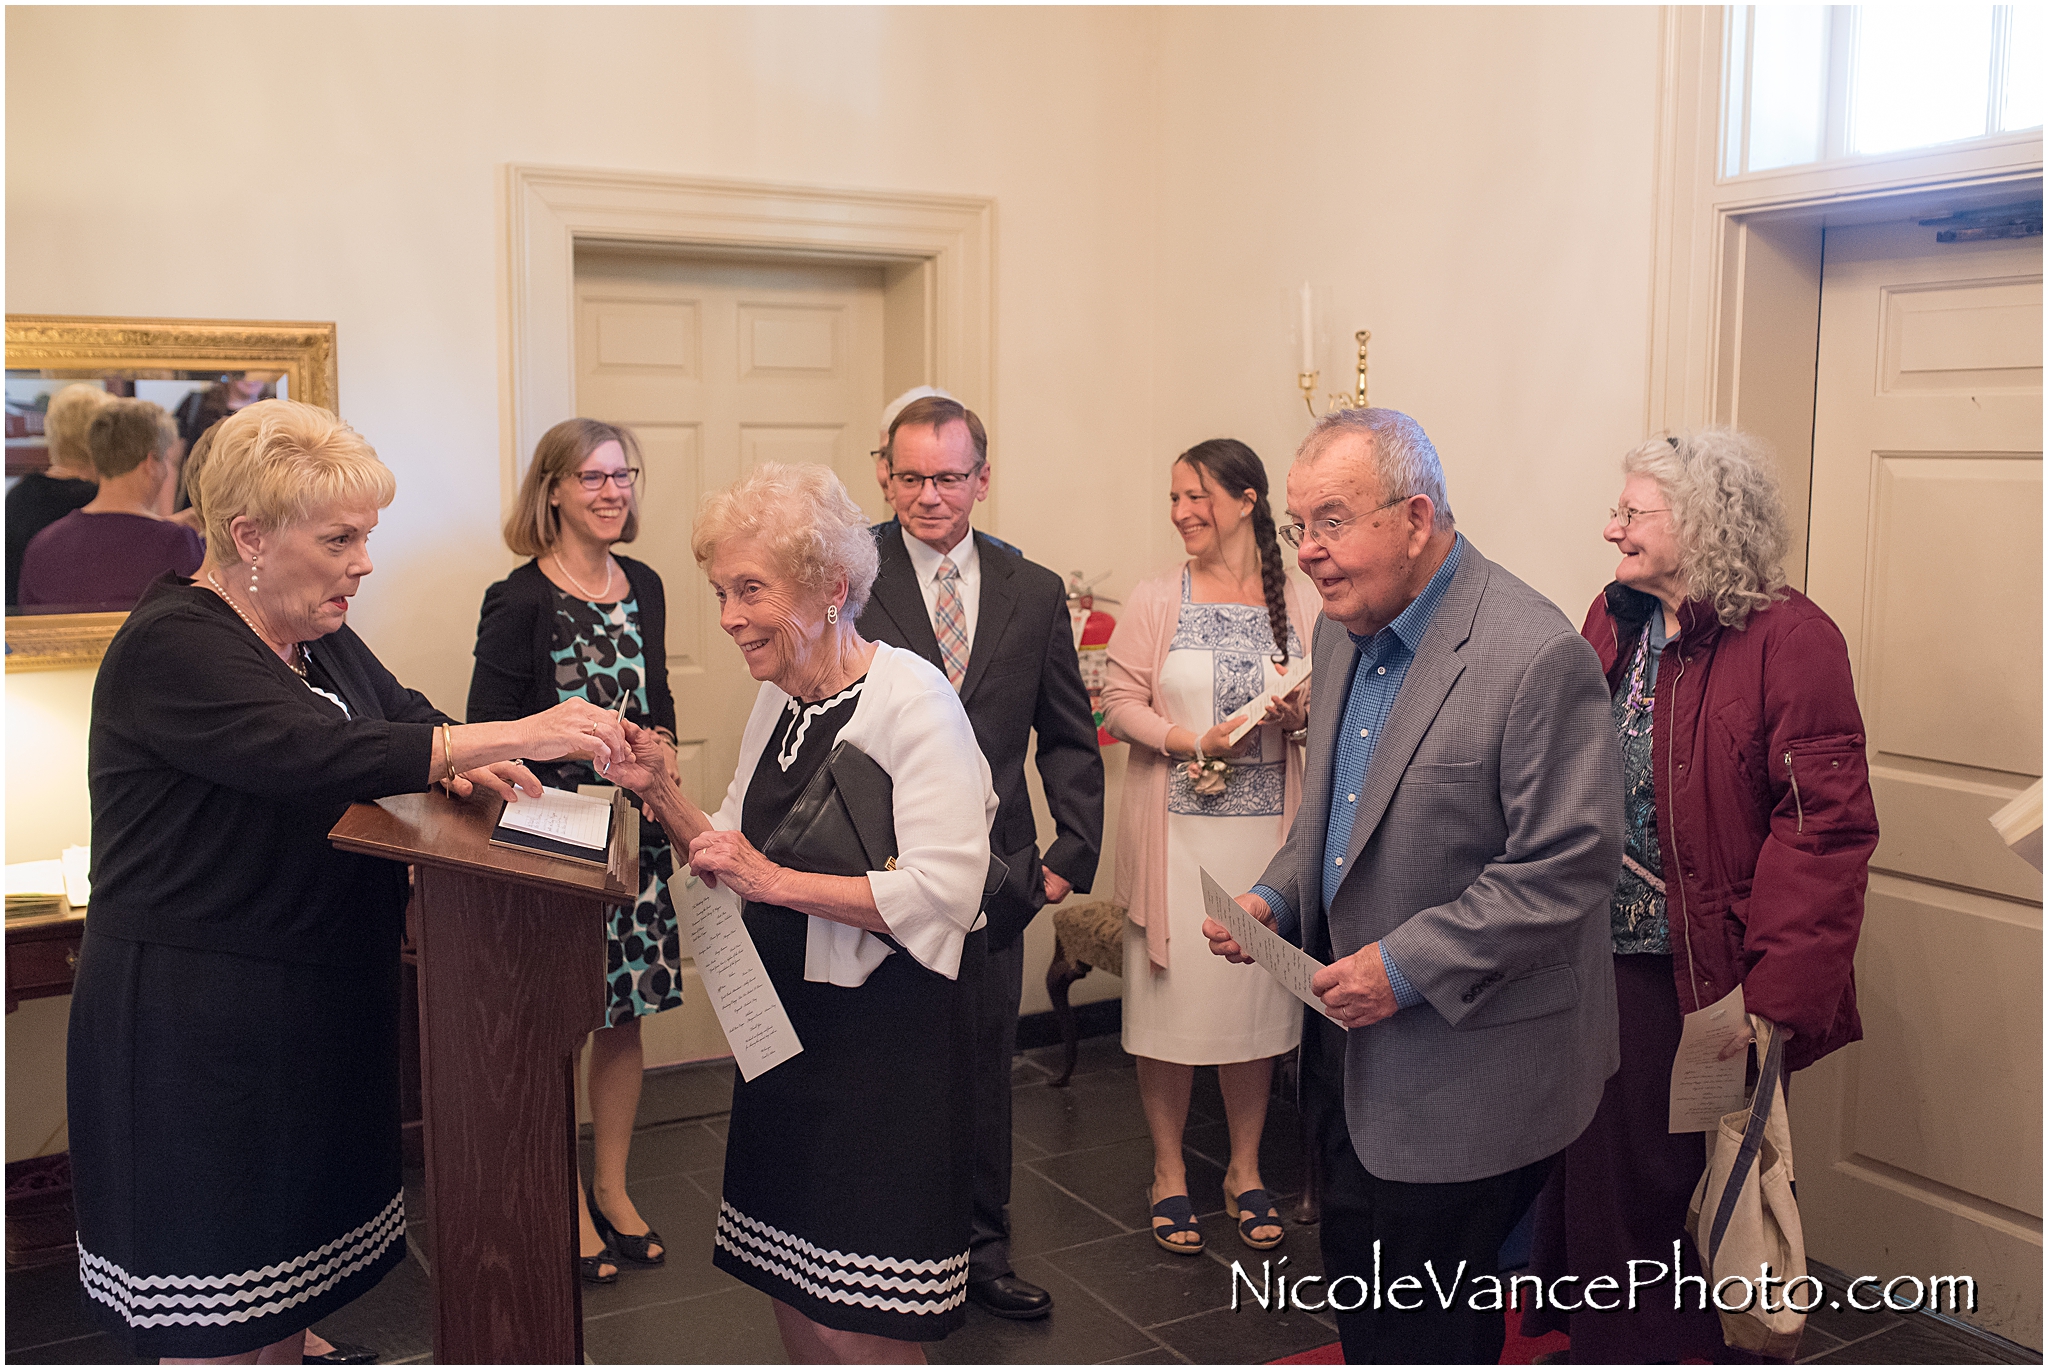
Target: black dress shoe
x=1006 y=1296
x=345 y=1353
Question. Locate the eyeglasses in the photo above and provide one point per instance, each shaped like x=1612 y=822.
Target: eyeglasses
x=949 y=482
x=594 y=480
x=1329 y=531
x=1626 y=515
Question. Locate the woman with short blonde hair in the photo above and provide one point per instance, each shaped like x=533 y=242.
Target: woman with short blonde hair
x=580 y=621
x=281 y=463
x=40 y=498
x=233 y=1054
x=848 y=1167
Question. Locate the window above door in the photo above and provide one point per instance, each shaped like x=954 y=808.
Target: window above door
x=1806 y=84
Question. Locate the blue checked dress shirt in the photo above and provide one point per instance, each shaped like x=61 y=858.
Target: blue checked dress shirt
x=1376 y=676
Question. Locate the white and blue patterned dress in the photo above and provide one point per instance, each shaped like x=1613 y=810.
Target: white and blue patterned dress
x=1204 y=1010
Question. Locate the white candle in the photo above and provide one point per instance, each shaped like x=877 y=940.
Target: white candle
x=1308 y=330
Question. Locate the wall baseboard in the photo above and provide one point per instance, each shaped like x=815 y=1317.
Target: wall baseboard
x=1099 y=1019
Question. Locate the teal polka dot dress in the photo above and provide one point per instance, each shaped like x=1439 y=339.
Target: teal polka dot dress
x=598 y=655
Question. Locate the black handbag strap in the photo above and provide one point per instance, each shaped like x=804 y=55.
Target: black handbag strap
x=1752 y=1140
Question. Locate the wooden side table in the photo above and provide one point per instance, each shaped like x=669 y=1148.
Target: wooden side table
x=42 y=955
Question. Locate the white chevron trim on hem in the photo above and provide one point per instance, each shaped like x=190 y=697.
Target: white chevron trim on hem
x=727 y=1212
x=789 y=1258
x=318 y=1271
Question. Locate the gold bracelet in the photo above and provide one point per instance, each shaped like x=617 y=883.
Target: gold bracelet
x=448 y=751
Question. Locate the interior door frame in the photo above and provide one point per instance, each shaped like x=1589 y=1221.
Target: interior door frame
x=937 y=254
x=1737 y=262
x=1736 y=269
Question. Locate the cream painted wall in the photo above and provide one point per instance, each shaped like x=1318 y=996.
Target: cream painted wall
x=47 y=811
x=1474 y=186
x=1164 y=180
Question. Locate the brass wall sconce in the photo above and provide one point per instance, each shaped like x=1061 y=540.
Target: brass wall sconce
x=1357 y=400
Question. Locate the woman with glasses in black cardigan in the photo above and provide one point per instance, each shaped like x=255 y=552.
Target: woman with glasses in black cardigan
x=578 y=622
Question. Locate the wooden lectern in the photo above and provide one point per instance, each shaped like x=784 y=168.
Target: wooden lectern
x=511 y=973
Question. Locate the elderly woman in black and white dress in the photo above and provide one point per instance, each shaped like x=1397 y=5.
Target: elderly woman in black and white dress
x=847 y=1170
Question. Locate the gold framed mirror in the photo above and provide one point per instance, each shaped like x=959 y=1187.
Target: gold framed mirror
x=56 y=347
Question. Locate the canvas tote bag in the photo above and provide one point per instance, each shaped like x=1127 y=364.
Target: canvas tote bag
x=1743 y=1216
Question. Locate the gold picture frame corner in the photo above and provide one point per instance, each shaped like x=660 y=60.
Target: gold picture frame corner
x=59 y=642
x=305 y=350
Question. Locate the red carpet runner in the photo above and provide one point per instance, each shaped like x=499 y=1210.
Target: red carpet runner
x=1520 y=1350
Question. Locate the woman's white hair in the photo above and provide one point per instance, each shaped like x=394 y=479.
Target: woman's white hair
x=1722 y=489
x=803 y=517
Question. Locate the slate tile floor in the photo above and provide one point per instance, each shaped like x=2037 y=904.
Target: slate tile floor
x=1078 y=1215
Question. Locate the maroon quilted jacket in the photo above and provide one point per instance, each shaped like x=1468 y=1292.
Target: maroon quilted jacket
x=1764 y=815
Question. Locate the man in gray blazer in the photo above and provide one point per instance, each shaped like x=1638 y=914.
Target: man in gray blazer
x=1458 y=841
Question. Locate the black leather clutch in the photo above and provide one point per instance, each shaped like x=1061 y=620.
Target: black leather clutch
x=844 y=822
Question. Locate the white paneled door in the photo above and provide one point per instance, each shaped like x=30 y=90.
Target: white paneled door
x=719 y=366
x=1919 y=1148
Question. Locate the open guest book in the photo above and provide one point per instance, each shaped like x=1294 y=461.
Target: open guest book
x=576 y=827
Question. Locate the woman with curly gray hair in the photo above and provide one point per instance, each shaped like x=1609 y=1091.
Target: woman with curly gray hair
x=846 y=1192
x=1749 y=829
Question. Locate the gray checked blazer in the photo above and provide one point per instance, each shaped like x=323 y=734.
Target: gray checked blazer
x=1483 y=858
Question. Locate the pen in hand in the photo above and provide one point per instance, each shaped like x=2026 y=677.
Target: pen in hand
x=620 y=714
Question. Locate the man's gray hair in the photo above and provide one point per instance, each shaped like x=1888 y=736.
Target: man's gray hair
x=1402 y=455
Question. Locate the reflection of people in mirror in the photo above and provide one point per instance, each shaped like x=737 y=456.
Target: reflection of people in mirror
x=231 y=394
x=183 y=510
x=40 y=498
x=103 y=556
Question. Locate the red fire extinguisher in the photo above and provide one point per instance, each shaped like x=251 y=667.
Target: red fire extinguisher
x=1092 y=628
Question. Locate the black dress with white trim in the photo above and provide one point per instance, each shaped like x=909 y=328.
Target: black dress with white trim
x=847 y=1168
x=233 y=1053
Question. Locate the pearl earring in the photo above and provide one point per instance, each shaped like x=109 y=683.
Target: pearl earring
x=254 y=567
x=832 y=613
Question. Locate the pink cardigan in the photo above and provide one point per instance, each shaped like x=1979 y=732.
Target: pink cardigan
x=1137 y=651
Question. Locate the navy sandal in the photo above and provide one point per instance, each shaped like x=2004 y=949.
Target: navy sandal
x=592 y=1267
x=1252 y=1210
x=1180 y=1217
x=634 y=1249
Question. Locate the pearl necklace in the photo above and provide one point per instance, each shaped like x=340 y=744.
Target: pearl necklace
x=618 y=616
x=563 y=567
x=298 y=657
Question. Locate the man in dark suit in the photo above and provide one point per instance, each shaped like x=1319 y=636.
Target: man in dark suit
x=997 y=625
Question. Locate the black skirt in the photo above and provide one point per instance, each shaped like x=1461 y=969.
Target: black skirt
x=848 y=1168
x=1619 y=1193
x=234 y=1142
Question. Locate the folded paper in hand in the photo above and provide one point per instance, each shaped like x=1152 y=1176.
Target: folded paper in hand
x=1278 y=687
x=1278 y=957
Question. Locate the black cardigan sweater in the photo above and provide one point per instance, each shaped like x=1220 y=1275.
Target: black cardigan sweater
x=216 y=775
x=514 y=674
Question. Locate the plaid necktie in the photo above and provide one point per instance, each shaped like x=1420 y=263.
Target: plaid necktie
x=950 y=621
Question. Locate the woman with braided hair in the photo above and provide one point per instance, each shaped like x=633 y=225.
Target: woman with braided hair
x=1197 y=646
